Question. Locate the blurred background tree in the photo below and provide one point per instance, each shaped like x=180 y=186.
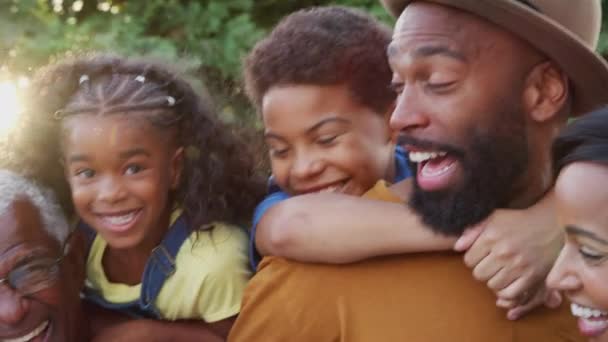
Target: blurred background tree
x=205 y=38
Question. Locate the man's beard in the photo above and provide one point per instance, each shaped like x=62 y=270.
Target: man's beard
x=491 y=165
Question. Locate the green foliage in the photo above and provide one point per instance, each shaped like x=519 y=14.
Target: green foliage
x=207 y=39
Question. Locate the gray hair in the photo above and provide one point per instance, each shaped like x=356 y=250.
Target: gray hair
x=15 y=187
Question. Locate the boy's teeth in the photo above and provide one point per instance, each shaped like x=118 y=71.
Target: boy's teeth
x=329 y=189
x=29 y=336
x=418 y=157
x=585 y=312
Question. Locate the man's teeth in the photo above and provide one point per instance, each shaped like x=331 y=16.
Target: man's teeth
x=418 y=157
x=585 y=312
x=120 y=220
x=29 y=336
x=332 y=188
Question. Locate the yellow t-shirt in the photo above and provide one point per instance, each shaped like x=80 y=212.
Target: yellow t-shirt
x=424 y=297
x=210 y=276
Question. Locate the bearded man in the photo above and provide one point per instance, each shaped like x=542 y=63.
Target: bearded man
x=483 y=88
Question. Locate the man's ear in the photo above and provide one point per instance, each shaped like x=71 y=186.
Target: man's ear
x=177 y=166
x=546 y=92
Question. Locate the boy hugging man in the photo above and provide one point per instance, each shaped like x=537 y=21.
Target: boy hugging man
x=320 y=81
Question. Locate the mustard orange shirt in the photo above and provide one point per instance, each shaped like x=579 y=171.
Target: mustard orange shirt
x=416 y=297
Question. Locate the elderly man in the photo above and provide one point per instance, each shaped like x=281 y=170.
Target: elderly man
x=41 y=266
x=483 y=88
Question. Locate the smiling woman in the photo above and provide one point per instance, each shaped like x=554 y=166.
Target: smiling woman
x=11 y=105
x=581 y=271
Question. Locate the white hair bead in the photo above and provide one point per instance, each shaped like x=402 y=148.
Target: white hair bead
x=83 y=78
x=171 y=101
x=140 y=78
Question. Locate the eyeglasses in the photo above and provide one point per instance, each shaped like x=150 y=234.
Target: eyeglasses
x=35 y=274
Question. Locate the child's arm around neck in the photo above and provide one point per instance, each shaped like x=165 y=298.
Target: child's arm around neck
x=335 y=228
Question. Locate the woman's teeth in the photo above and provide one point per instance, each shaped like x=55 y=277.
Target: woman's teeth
x=30 y=335
x=585 y=312
x=419 y=157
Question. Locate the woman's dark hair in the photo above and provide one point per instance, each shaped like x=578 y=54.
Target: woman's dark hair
x=324 y=46
x=584 y=140
x=218 y=181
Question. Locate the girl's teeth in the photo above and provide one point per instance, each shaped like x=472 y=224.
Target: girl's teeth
x=120 y=220
x=30 y=335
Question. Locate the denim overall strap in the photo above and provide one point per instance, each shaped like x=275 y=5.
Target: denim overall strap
x=89 y=235
x=131 y=309
x=161 y=264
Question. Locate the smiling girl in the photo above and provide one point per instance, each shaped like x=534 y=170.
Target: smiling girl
x=158 y=183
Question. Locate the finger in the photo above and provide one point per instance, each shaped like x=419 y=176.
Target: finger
x=486 y=269
x=501 y=280
x=516 y=289
x=553 y=299
x=476 y=253
x=519 y=311
x=506 y=303
x=468 y=238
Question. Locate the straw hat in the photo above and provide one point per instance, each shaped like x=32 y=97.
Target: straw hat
x=567 y=31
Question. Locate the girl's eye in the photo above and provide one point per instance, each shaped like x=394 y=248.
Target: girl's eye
x=590 y=254
x=85 y=173
x=133 y=169
x=327 y=140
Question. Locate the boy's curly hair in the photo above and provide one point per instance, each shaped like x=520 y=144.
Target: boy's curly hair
x=324 y=46
x=219 y=180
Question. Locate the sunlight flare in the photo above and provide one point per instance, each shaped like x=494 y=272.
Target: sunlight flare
x=11 y=106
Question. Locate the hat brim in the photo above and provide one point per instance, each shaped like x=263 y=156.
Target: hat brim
x=587 y=71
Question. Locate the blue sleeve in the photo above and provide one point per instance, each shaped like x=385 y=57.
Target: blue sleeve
x=402 y=168
x=260 y=210
x=273 y=186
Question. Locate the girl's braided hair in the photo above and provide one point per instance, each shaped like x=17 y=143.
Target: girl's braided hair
x=218 y=181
